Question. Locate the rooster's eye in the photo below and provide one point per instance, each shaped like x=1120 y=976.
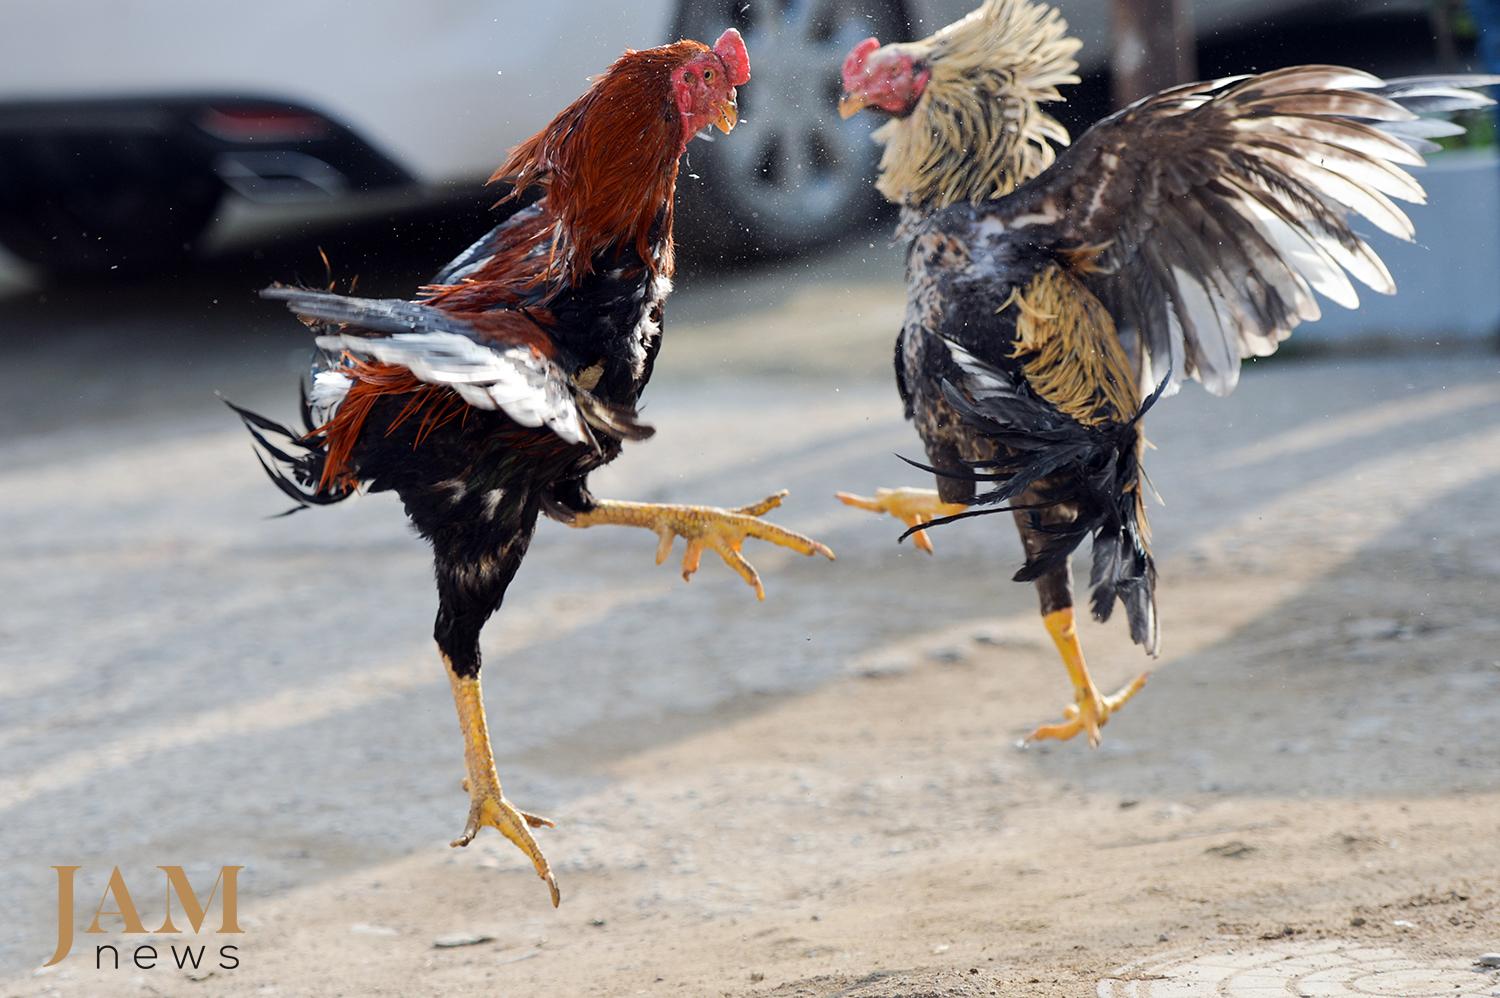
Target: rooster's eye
x=708 y=76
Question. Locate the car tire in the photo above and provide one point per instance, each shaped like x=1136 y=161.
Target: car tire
x=793 y=174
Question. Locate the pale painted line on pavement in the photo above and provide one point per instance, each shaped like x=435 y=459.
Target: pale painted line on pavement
x=1290 y=542
x=1277 y=552
x=1299 y=536
x=515 y=628
x=1339 y=515
x=221 y=463
x=1364 y=422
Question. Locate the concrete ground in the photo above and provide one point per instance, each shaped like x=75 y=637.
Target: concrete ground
x=816 y=795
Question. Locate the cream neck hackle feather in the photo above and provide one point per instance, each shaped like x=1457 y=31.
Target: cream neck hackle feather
x=978 y=129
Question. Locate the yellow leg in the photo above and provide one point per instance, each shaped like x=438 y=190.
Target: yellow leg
x=1089 y=711
x=487 y=805
x=912 y=507
x=721 y=530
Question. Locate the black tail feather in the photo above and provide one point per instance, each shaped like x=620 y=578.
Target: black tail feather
x=295 y=461
x=1093 y=469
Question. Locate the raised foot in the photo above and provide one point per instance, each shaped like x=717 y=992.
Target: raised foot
x=492 y=809
x=1088 y=713
x=912 y=507
x=705 y=528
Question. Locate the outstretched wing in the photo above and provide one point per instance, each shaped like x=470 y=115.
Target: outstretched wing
x=495 y=360
x=1211 y=212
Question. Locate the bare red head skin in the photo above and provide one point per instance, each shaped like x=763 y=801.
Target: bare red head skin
x=883 y=78
x=704 y=85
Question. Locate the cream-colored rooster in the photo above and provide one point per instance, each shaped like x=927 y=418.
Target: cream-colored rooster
x=1052 y=298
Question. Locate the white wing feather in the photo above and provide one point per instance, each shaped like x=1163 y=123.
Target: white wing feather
x=527 y=387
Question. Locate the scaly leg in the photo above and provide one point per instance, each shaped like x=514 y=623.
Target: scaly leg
x=912 y=507
x=487 y=805
x=721 y=530
x=1089 y=711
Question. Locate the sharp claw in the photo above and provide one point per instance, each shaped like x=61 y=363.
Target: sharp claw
x=1062 y=732
x=764 y=506
x=747 y=571
x=664 y=546
x=1127 y=691
x=691 y=558
x=1089 y=711
x=537 y=821
x=1091 y=720
x=723 y=530
x=487 y=804
x=500 y=814
x=913 y=507
x=850 y=499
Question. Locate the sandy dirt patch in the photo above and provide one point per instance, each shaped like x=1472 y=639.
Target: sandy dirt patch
x=882 y=836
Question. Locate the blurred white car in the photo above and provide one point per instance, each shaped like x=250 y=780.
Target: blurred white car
x=128 y=126
x=131 y=128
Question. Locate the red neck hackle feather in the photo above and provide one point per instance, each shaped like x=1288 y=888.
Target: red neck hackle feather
x=609 y=161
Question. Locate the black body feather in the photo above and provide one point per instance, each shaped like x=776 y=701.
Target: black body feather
x=474 y=473
x=1172 y=239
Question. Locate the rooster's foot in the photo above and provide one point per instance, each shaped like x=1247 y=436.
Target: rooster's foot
x=704 y=527
x=912 y=507
x=487 y=804
x=489 y=807
x=1089 y=711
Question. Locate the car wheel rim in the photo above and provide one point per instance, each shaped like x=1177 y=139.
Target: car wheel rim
x=795 y=167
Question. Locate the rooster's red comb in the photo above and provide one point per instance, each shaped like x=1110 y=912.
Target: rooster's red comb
x=854 y=62
x=730 y=48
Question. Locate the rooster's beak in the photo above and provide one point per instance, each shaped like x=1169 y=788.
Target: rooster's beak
x=728 y=115
x=851 y=104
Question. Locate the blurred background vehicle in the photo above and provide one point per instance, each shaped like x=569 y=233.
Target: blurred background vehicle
x=130 y=129
x=134 y=133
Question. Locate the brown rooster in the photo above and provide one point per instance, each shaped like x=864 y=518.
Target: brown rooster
x=1051 y=303
x=490 y=399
